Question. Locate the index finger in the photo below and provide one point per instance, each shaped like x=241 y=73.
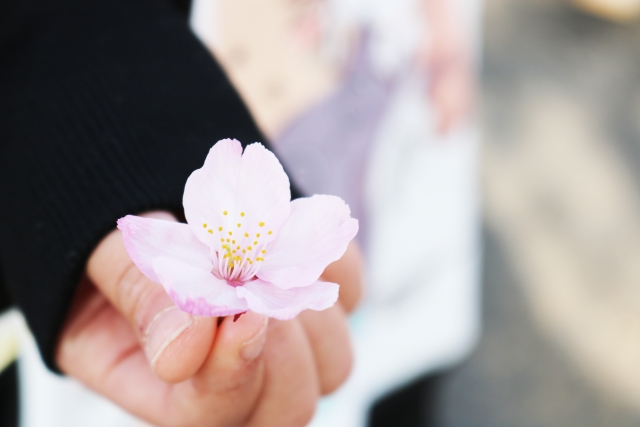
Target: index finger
x=153 y=316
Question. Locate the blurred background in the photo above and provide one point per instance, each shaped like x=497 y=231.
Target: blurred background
x=561 y=175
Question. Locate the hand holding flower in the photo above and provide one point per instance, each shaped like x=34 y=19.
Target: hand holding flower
x=248 y=373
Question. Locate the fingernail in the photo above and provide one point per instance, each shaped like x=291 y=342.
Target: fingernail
x=252 y=348
x=163 y=330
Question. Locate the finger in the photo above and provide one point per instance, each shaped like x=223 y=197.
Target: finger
x=329 y=340
x=230 y=382
x=291 y=386
x=157 y=323
x=347 y=272
x=99 y=348
x=237 y=346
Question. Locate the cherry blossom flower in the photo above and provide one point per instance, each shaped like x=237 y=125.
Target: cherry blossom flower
x=246 y=245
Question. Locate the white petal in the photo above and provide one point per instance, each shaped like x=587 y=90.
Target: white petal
x=242 y=194
x=263 y=192
x=197 y=291
x=211 y=190
x=265 y=298
x=317 y=233
x=147 y=238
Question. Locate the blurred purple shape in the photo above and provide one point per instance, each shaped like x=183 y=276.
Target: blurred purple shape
x=326 y=149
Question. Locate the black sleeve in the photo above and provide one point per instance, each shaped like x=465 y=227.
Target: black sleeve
x=106 y=107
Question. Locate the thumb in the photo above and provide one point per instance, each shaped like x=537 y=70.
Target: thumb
x=158 y=324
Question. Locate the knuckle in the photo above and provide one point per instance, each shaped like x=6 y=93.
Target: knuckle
x=64 y=355
x=233 y=381
x=338 y=374
x=132 y=291
x=304 y=412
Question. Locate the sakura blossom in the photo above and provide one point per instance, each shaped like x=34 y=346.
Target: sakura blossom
x=246 y=245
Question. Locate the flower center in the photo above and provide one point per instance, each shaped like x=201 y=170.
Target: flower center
x=240 y=248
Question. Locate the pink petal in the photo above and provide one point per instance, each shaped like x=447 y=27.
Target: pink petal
x=263 y=192
x=251 y=188
x=196 y=290
x=265 y=298
x=316 y=234
x=211 y=190
x=147 y=238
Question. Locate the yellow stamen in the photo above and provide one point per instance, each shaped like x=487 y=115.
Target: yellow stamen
x=210 y=231
x=241 y=213
x=261 y=224
x=204 y=225
x=224 y=213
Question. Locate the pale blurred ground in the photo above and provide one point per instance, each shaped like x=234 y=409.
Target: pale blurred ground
x=561 y=344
